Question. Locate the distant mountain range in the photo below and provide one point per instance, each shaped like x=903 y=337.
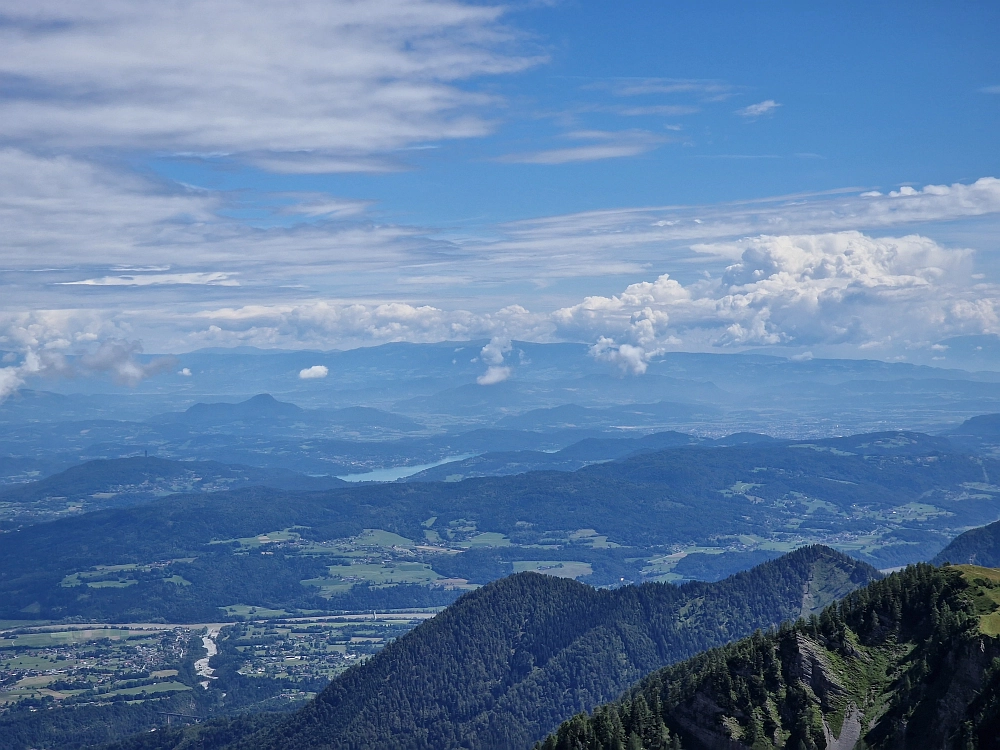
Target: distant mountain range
x=551 y=386
x=265 y=408
x=690 y=511
x=576 y=456
x=96 y=485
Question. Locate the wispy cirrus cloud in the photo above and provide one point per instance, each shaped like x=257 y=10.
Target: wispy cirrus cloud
x=321 y=85
x=753 y=111
x=643 y=235
x=160 y=279
x=58 y=211
x=607 y=145
x=705 y=89
x=660 y=110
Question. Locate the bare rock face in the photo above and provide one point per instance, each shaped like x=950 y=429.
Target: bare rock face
x=850 y=731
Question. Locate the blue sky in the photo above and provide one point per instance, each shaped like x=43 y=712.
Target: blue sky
x=641 y=176
x=872 y=97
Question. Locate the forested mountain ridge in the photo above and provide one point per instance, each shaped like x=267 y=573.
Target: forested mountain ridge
x=506 y=663
x=890 y=498
x=979 y=546
x=908 y=662
x=120 y=482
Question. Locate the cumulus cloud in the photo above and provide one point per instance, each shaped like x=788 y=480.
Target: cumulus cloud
x=116 y=357
x=629 y=358
x=34 y=363
x=759 y=109
x=71 y=342
x=809 y=290
x=495 y=351
x=10 y=380
x=142 y=231
x=333 y=79
x=494 y=375
x=884 y=295
x=314 y=373
x=797 y=290
x=493 y=354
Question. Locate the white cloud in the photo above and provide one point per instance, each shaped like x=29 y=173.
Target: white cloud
x=629 y=358
x=58 y=211
x=495 y=351
x=588 y=243
x=338 y=80
x=326 y=324
x=885 y=295
x=664 y=110
x=796 y=290
x=208 y=279
x=116 y=357
x=494 y=375
x=611 y=145
x=64 y=211
x=314 y=373
x=184 y=372
x=493 y=355
x=706 y=89
x=10 y=380
x=990 y=89
x=758 y=110
x=302 y=278
x=842 y=288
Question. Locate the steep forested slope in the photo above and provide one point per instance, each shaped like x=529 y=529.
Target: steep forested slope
x=506 y=663
x=908 y=662
x=977 y=547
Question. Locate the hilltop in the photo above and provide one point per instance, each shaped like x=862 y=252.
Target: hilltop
x=506 y=663
x=979 y=546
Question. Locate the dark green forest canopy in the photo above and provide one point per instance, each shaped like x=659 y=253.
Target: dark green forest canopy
x=506 y=663
x=675 y=495
x=902 y=663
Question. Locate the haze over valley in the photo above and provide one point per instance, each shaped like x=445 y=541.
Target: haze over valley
x=455 y=375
